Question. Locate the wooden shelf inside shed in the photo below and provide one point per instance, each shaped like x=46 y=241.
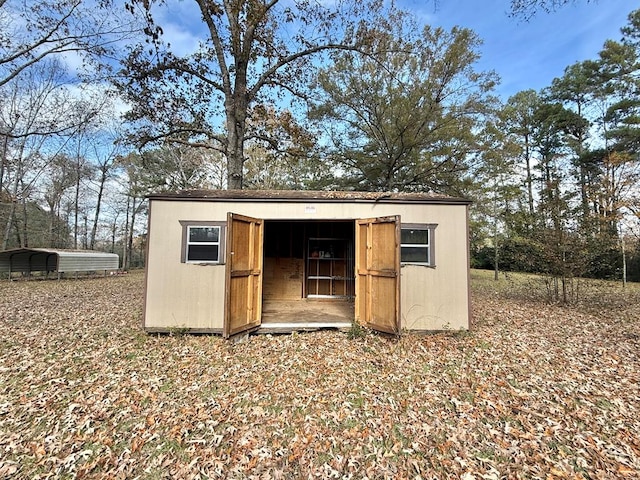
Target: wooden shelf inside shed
x=329 y=272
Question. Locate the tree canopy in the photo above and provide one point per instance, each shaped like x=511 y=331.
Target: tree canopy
x=402 y=117
x=256 y=52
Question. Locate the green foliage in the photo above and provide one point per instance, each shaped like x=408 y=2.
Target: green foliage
x=600 y=259
x=409 y=125
x=575 y=173
x=518 y=254
x=180 y=331
x=604 y=258
x=356 y=331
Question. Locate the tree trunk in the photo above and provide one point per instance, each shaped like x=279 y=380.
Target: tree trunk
x=529 y=179
x=76 y=207
x=624 y=262
x=13 y=198
x=25 y=236
x=94 y=228
x=85 y=231
x=125 y=243
x=584 y=194
x=114 y=230
x=496 y=254
x=130 y=233
x=51 y=227
x=235 y=109
x=3 y=161
x=8 y=225
x=235 y=161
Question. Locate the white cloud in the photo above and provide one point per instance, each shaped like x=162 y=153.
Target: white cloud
x=182 y=25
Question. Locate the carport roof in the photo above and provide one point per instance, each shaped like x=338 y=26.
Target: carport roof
x=50 y=259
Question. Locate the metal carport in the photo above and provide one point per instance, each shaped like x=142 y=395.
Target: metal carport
x=28 y=260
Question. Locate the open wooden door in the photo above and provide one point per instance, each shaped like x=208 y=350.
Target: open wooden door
x=243 y=294
x=377 y=302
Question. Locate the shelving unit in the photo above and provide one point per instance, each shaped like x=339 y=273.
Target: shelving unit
x=330 y=268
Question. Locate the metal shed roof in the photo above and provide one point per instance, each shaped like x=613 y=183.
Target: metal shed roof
x=54 y=260
x=308 y=196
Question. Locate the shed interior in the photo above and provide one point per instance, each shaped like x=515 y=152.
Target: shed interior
x=308 y=272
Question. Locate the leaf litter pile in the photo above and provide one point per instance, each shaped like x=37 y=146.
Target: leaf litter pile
x=534 y=391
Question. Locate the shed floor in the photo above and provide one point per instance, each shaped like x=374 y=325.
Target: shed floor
x=306 y=314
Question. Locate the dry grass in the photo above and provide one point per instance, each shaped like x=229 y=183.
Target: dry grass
x=535 y=391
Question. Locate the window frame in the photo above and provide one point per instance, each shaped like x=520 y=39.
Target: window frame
x=430 y=245
x=187 y=225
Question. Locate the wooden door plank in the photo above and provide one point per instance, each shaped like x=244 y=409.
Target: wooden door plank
x=378 y=273
x=243 y=290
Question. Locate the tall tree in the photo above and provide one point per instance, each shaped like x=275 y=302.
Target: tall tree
x=106 y=147
x=498 y=188
x=137 y=181
x=175 y=168
x=255 y=51
x=518 y=118
x=37 y=105
x=563 y=256
x=554 y=125
x=60 y=179
x=586 y=124
x=619 y=122
x=576 y=89
x=403 y=116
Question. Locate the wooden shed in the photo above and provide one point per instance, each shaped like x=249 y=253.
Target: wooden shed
x=227 y=262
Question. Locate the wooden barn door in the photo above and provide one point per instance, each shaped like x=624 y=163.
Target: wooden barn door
x=243 y=294
x=377 y=302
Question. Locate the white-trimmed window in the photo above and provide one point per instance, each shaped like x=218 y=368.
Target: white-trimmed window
x=203 y=242
x=417 y=244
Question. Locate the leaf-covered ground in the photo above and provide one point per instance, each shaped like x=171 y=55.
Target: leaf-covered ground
x=534 y=391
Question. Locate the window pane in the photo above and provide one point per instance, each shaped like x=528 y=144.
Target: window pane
x=204 y=234
x=410 y=235
x=202 y=253
x=414 y=254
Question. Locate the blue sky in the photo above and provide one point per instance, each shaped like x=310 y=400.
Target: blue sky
x=530 y=54
x=526 y=55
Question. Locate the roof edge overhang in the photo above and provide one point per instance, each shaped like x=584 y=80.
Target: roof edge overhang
x=306 y=196
x=58 y=251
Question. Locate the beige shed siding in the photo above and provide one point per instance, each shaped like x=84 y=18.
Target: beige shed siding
x=180 y=294
x=189 y=295
x=436 y=298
